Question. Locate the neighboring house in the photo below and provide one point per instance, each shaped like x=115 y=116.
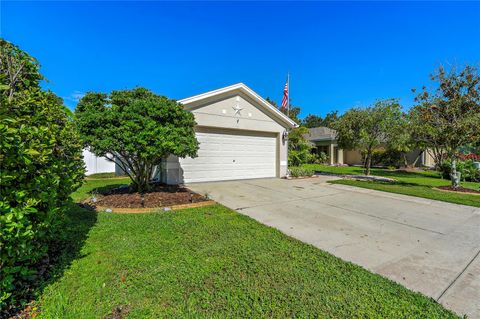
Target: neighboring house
x=241 y=136
x=325 y=141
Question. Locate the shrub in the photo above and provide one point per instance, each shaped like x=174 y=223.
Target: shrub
x=300 y=171
x=320 y=158
x=40 y=166
x=299 y=149
x=466 y=168
x=385 y=157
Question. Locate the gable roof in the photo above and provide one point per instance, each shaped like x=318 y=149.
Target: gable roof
x=240 y=87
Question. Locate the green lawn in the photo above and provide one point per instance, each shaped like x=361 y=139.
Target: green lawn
x=420 y=184
x=102 y=175
x=101 y=184
x=210 y=262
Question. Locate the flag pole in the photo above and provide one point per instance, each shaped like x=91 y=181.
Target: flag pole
x=288 y=98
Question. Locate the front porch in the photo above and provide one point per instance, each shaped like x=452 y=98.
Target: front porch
x=335 y=155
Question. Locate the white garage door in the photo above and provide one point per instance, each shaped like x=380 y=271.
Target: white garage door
x=229 y=156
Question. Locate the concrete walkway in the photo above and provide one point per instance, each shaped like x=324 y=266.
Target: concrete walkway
x=428 y=246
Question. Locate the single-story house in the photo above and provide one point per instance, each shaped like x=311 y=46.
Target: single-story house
x=241 y=136
x=325 y=140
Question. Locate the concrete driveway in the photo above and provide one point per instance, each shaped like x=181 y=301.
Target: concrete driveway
x=428 y=246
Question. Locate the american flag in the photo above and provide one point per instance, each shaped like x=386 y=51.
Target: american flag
x=285 y=103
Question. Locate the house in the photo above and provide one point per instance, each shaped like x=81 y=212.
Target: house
x=325 y=140
x=241 y=136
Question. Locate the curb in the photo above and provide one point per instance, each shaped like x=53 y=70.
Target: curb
x=122 y=210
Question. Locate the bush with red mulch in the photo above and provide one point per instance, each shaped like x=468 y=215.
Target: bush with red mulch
x=459 y=189
x=160 y=196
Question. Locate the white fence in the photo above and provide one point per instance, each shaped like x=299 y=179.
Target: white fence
x=96 y=164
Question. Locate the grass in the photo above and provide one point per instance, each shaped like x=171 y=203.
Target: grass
x=97 y=184
x=211 y=262
x=102 y=175
x=419 y=184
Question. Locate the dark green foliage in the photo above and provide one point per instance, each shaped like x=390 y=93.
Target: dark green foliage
x=212 y=262
x=448 y=118
x=136 y=129
x=312 y=120
x=385 y=157
x=40 y=166
x=466 y=168
x=366 y=129
x=299 y=149
x=18 y=70
x=320 y=158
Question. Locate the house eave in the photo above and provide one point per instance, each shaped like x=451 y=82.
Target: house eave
x=193 y=100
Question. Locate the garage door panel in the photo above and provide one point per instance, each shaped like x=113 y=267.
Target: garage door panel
x=219 y=156
x=224 y=156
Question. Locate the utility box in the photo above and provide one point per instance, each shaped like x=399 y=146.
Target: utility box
x=476 y=165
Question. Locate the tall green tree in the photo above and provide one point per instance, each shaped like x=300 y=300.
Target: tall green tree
x=312 y=120
x=367 y=128
x=448 y=117
x=330 y=118
x=18 y=70
x=40 y=166
x=136 y=129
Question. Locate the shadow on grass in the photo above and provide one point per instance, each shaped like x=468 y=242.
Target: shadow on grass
x=68 y=242
x=64 y=248
x=106 y=189
x=67 y=245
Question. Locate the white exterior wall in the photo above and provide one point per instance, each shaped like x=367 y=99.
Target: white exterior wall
x=96 y=164
x=219 y=112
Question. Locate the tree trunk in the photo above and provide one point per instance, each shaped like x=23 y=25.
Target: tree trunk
x=454 y=175
x=416 y=159
x=368 y=162
x=405 y=160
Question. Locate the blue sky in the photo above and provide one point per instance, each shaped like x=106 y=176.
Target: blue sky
x=339 y=54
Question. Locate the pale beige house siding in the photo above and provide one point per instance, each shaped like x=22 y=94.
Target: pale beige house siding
x=352 y=157
x=218 y=114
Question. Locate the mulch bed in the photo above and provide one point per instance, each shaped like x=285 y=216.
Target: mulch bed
x=459 y=190
x=159 y=196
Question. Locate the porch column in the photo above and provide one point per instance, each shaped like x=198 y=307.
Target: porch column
x=340 y=156
x=331 y=153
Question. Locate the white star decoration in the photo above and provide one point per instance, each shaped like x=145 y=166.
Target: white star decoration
x=237 y=109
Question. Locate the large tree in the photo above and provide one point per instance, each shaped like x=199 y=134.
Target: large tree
x=367 y=128
x=448 y=117
x=312 y=120
x=136 y=129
